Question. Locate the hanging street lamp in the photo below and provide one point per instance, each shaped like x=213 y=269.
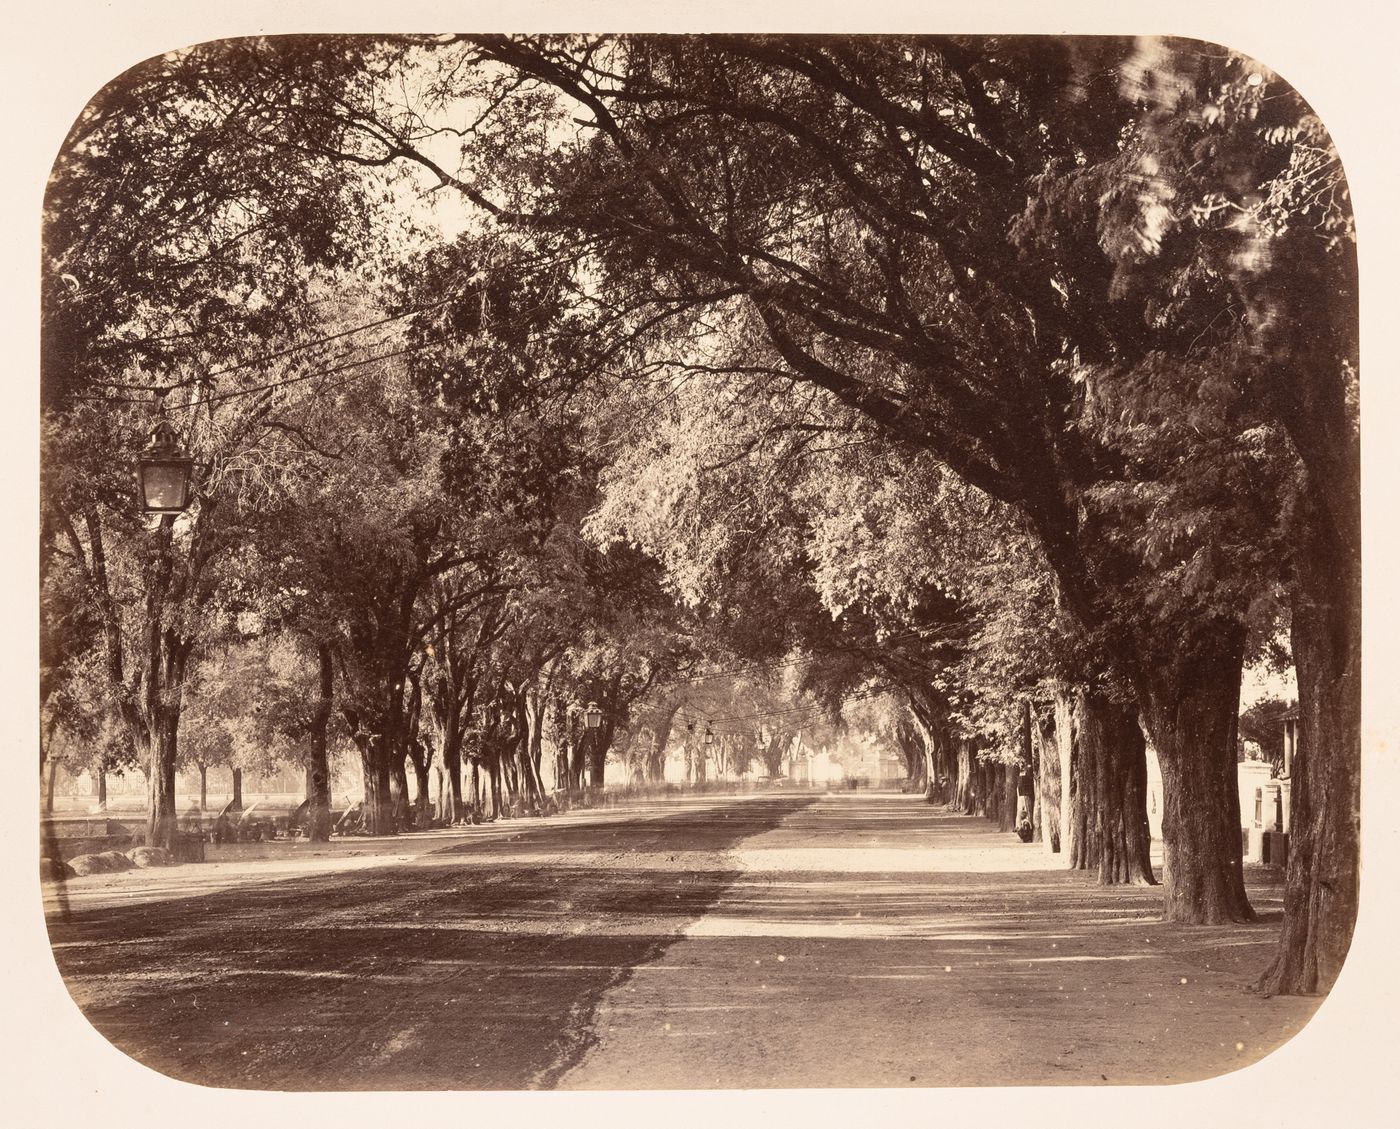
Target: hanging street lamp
x=164 y=471
x=592 y=716
x=709 y=735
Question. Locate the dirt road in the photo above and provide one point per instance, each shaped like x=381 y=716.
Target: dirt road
x=781 y=940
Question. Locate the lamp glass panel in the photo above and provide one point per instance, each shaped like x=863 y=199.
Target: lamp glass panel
x=164 y=485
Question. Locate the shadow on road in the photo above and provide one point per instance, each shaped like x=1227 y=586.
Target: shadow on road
x=399 y=977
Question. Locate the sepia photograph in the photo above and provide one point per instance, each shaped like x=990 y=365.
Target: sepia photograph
x=697 y=561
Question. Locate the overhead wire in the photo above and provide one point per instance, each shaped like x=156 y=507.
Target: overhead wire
x=278 y=354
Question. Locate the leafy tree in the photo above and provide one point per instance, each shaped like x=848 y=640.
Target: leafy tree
x=1262 y=723
x=824 y=192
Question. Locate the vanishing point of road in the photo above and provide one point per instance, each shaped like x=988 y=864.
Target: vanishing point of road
x=790 y=939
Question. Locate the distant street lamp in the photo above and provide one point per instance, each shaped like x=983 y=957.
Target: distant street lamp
x=592 y=719
x=163 y=471
x=709 y=735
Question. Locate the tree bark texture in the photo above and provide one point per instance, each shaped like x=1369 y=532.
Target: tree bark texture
x=1048 y=784
x=1006 y=813
x=161 y=826
x=1191 y=710
x=965 y=789
x=1071 y=810
x=318 y=774
x=1113 y=783
x=1322 y=887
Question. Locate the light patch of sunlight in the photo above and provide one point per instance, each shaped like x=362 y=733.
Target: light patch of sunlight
x=538 y=927
x=1078 y=960
x=716 y=925
x=871 y=860
x=668 y=1007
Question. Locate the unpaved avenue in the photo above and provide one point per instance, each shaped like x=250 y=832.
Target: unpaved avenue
x=472 y=968
x=788 y=940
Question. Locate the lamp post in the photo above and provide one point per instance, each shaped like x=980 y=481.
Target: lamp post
x=592 y=719
x=163 y=477
x=164 y=470
x=708 y=751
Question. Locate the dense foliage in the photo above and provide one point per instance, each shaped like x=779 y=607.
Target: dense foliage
x=989 y=398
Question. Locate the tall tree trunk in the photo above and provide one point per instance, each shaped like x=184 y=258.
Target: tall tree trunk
x=318 y=774
x=577 y=759
x=965 y=789
x=1113 y=782
x=661 y=735
x=1191 y=709
x=1048 y=798
x=203 y=787
x=161 y=825
x=1322 y=885
x=236 y=800
x=1006 y=815
x=1028 y=786
x=931 y=719
x=379 y=808
x=1026 y=774
x=451 y=736
x=422 y=802
x=918 y=759
x=374 y=764
x=597 y=756
x=398 y=790
x=102 y=787
x=1071 y=811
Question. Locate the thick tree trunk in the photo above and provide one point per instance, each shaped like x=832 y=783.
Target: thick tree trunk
x=1026 y=774
x=965 y=790
x=236 y=800
x=1322 y=885
x=1113 y=792
x=422 y=801
x=1006 y=812
x=578 y=756
x=1071 y=830
x=661 y=735
x=378 y=806
x=204 y=787
x=318 y=774
x=161 y=826
x=452 y=764
x=398 y=791
x=378 y=802
x=1048 y=783
x=598 y=756
x=932 y=736
x=102 y=788
x=1191 y=709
